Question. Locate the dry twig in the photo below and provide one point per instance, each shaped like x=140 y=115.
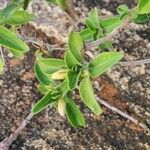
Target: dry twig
x=4 y=145
x=135 y=63
x=123 y=114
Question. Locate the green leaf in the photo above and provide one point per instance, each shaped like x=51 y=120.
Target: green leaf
x=64 y=88
x=123 y=16
x=52 y=62
x=73 y=113
x=26 y=4
x=92 y=21
x=16 y=53
x=134 y=13
x=43 y=103
x=70 y=61
x=87 y=95
x=144 y=7
x=141 y=18
x=103 y=62
x=106 y=45
x=10 y=40
x=109 y=24
x=75 y=44
x=1 y=66
x=48 y=70
x=72 y=78
x=19 y=17
x=41 y=76
x=122 y=9
x=42 y=88
x=99 y=34
x=50 y=65
x=56 y=94
x=87 y=34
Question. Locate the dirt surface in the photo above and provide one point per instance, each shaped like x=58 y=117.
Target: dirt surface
x=127 y=88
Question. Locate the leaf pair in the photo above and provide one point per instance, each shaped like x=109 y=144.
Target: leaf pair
x=94 y=29
x=66 y=105
x=74 y=59
x=92 y=21
x=98 y=28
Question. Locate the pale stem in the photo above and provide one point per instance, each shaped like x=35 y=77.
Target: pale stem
x=136 y=62
x=4 y=145
x=123 y=114
x=2 y=56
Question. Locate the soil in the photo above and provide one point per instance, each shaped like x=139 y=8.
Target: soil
x=127 y=88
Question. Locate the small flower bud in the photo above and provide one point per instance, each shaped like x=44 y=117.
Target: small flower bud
x=59 y=75
x=61 y=107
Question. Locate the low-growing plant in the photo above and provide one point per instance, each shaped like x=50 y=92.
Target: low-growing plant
x=59 y=78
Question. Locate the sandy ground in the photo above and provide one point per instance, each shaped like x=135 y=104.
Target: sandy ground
x=127 y=88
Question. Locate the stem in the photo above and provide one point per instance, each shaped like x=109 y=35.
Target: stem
x=2 y=56
x=134 y=63
x=4 y=145
x=110 y=36
x=142 y=125
x=71 y=13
